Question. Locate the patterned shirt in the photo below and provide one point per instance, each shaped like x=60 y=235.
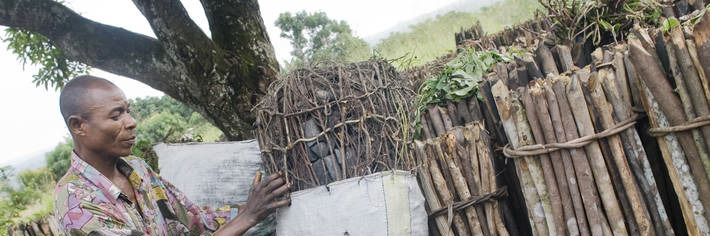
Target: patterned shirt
x=87 y=203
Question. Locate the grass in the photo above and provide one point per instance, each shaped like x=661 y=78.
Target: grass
x=435 y=37
x=41 y=207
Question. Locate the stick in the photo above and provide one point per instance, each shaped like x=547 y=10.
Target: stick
x=694 y=87
x=563 y=57
x=568 y=206
x=445 y=195
x=621 y=81
x=460 y=182
x=636 y=155
x=483 y=144
x=448 y=124
x=546 y=164
x=471 y=166
x=428 y=188
x=654 y=79
x=532 y=69
x=546 y=60
x=590 y=198
x=425 y=127
x=474 y=109
x=525 y=138
x=678 y=170
x=604 y=110
x=698 y=67
x=436 y=121
x=599 y=169
x=532 y=199
x=701 y=31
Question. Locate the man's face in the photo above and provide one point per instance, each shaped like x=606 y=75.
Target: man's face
x=110 y=128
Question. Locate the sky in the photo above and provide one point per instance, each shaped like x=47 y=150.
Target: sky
x=30 y=115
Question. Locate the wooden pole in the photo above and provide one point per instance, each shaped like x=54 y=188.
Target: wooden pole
x=590 y=197
x=446 y=196
x=536 y=217
x=637 y=159
x=654 y=79
x=546 y=163
x=460 y=182
x=678 y=170
x=701 y=31
x=694 y=88
x=599 y=169
x=532 y=163
x=428 y=188
x=436 y=121
x=545 y=60
x=638 y=205
x=568 y=204
x=483 y=146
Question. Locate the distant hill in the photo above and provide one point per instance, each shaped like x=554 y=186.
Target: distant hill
x=404 y=26
x=31 y=161
x=433 y=36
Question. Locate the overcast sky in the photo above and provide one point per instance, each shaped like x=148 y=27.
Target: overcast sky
x=30 y=115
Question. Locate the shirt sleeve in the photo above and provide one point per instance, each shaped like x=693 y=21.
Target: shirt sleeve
x=77 y=216
x=202 y=220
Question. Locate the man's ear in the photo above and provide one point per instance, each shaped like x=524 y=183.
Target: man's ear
x=77 y=125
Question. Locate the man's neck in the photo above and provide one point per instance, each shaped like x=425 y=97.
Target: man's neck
x=105 y=165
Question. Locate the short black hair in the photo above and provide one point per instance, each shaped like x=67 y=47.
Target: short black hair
x=71 y=99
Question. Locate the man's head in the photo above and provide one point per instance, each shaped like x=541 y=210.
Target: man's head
x=97 y=115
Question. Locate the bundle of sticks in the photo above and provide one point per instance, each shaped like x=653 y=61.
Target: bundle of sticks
x=458 y=180
x=672 y=73
x=324 y=124
x=582 y=167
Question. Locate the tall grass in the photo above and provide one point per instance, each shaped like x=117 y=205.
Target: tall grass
x=435 y=37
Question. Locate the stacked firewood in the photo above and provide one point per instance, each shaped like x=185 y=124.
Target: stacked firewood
x=582 y=167
x=457 y=173
x=671 y=70
x=46 y=226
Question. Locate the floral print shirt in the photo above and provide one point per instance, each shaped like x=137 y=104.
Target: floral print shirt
x=87 y=203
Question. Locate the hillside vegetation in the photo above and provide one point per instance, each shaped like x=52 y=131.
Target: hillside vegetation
x=434 y=37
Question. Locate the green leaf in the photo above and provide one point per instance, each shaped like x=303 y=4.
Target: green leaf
x=669 y=24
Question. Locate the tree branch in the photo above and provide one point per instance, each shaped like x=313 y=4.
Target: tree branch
x=113 y=49
x=180 y=36
x=237 y=26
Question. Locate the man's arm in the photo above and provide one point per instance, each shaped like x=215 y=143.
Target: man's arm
x=263 y=200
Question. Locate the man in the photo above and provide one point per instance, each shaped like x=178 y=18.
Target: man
x=105 y=192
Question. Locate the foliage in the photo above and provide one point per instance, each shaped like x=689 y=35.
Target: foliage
x=459 y=79
x=55 y=67
x=593 y=20
x=432 y=38
x=318 y=39
x=59 y=159
x=15 y=198
x=35 y=178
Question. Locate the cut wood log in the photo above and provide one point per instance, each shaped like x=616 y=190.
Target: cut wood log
x=460 y=183
x=678 y=170
x=446 y=196
x=532 y=163
x=637 y=159
x=545 y=60
x=634 y=194
x=544 y=159
x=701 y=31
x=568 y=206
x=428 y=188
x=655 y=80
x=563 y=57
x=435 y=119
x=694 y=87
x=590 y=197
x=599 y=169
x=532 y=200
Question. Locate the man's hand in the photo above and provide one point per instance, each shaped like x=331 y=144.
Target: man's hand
x=263 y=196
x=263 y=200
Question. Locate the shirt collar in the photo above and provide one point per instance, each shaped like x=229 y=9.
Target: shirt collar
x=95 y=177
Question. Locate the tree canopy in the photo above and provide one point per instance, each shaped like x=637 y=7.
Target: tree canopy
x=316 y=39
